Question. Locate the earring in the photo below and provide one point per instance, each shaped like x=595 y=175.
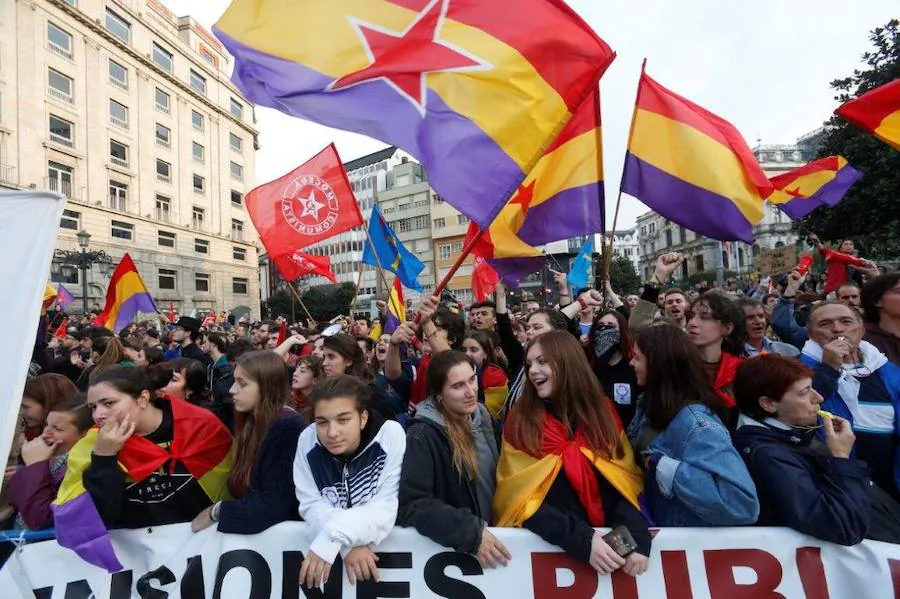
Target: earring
x=439 y=399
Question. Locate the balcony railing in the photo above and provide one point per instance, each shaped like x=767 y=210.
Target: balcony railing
x=58 y=185
x=62 y=140
x=64 y=52
x=60 y=95
x=8 y=174
x=118 y=122
x=163 y=178
x=123 y=162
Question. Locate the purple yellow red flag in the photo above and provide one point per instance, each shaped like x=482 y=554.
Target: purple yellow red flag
x=49 y=297
x=64 y=297
x=824 y=182
x=878 y=112
x=396 y=309
x=125 y=297
x=562 y=197
x=692 y=167
x=466 y=87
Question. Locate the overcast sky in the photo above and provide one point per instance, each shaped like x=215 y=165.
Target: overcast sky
x=763 y=65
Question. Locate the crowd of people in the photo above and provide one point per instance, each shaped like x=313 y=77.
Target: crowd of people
x=775 y=403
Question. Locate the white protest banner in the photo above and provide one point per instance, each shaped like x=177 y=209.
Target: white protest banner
x=28 y=225
x=728 y=563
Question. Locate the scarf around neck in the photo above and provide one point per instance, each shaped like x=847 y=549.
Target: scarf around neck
x=848 y=383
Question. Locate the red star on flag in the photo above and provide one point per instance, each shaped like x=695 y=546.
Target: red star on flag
x=404 y=59
x=524 y=196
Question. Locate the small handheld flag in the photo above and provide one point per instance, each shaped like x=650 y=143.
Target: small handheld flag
x=390 y=253
x=580 y=271
x=64 y=297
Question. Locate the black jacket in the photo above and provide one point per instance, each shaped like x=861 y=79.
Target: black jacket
x=271 y=498
x=195 y=353
x=802 y=486
x=221 y=378
x=434 y=498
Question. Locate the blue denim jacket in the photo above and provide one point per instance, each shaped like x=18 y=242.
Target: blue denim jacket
x=696 y=477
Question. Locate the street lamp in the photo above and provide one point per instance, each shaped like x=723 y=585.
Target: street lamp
x=70 y=260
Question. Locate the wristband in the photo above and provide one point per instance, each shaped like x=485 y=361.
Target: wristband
x=583 y=303
x=214 y=511
x=564 y=294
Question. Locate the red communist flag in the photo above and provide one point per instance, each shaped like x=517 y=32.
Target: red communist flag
x=484 y=279
x=297 y=264
x=311 y=203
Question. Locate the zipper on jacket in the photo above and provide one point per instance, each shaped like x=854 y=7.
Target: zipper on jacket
x=346 y=483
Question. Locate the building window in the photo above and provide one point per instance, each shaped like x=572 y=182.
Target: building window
x=236 y=143
x=198 y=152
x=237 y=109
x=59 y=86
x=698 y=263
x=122 y=230
x=166 y=239
x=197 y=218
x=437 y=199
x=118 y=26
x=237 y=198
x=419 y=222
x=239 y=254
x=440 y=223
x=118 y=75
x=198 y=82
x=163 y=208
x=444 y=252
x=60 y=41
x=61 y=131
x=118 y=153
x=201 y=282
x=167 y=278
x=462 y=219
x=162 y=57
x=163 y=171
x=163 y=136
x=163 y=101
x=118 y=196
x=239 y=286
x=208 y=57
x=668 y=238
x=199 y=184
x=118 y=114
x=70 y=220
x=197 y=120
x=237 y=229
x=201 y=246
x=59 y=178
x=237 y=171
x=456 y=247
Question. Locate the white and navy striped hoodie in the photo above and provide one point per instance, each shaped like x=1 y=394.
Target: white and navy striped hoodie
x=352 y=501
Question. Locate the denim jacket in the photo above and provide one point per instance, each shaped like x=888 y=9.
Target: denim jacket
x=695 y=476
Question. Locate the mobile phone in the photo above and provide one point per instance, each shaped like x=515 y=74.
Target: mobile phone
x=621 y=541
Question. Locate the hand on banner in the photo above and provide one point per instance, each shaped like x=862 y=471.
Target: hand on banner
x=636 y=564
x=314 y=571
x=665 y=266
x=37 y=450
x=202 y=520
x=360 y=565
x=491 y=552
x=839 y=436
x=113 y=435
x=603 y=558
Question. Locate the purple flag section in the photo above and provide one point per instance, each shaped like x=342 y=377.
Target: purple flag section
x=64 y=297
x=80 y=528
x=140 y=302
x=829 y=195
x=513 y=270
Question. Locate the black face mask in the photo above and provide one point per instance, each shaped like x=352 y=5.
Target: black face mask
x=606 y=340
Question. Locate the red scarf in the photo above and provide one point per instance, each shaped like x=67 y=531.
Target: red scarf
x=578 y=468
x=199 y=441
x=725 y=377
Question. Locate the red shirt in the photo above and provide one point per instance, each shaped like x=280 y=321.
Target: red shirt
x=837 y=264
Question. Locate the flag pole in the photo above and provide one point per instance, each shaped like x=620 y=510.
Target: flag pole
x=302 y=305
x=358 y=283
x=381 y=269
x=612 y=236
x=459 y=260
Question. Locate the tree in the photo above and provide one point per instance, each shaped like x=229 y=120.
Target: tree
x=870 y=213
x=324 y=302
x=622 y=275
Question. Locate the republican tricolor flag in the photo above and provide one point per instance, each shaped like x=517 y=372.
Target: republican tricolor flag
x=125 y=297
x=878 y=112
x=820 y=183
x=466 y=87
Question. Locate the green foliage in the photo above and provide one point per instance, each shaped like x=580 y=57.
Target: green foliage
x=622 y=275
x=324 y=302
x=870 y=213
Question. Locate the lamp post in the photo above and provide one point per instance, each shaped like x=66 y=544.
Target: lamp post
x=67 y=261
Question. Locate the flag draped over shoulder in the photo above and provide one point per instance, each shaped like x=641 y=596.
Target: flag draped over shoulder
x=199 y=441
x=692 y=167
x=311 y=203
x=460 y=85
x=125 y=297
x=562 y=197
x=389 y=252
x=878 y=112
x=297 y=264
x=824 y=182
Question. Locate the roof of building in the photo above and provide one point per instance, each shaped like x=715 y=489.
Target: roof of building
x=373 y=158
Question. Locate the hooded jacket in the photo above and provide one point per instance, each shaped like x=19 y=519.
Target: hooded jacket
x=801 y=485
x=350 y=501
x=450 y=509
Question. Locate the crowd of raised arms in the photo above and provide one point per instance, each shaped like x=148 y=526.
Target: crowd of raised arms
x=773 y=404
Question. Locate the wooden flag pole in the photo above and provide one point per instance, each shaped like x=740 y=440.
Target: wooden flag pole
x=612 y=236
x=302 y=305
x=459 y=260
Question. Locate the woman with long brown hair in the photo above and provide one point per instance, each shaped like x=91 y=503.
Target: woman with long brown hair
x=448 y=479
x=306 y=373
x=341 y=354
x=265 y=442
x=693 y=475
x=566 y=466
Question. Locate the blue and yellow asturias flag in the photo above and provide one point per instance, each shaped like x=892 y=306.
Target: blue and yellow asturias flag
x=824 y=182
x=693 y=167
x=390 y=253
x=462 y=86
